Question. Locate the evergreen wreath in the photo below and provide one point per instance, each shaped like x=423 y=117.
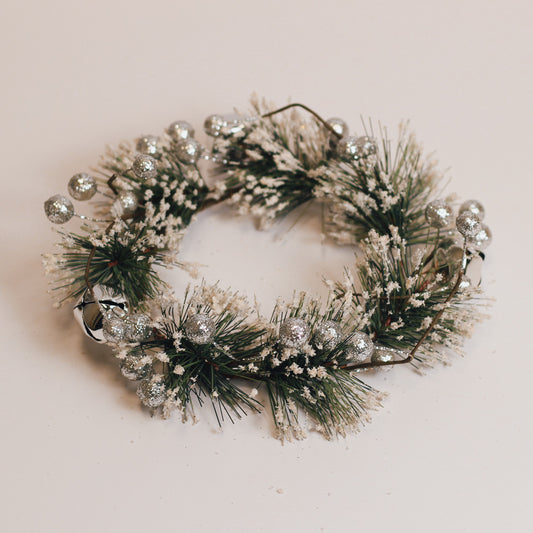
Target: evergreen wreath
x=408 y=301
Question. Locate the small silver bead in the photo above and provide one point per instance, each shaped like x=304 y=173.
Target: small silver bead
x=214 y=125
x=133 y=368
x=145 y=167
x=188 y=151
x=180 y=130
x=359 y=348
x=353 y=148
x=82 y=186
x=367 y=146
x=474 y=207
x=327 y=335
x=126 y=203
x=339 y=126
x=138 y=327
x=438 y=214
x=468 y=224
x=58 y=209
x=481 y=240
x=293 y=333
x=200 y=329
x=152 y=392
x=147 y=144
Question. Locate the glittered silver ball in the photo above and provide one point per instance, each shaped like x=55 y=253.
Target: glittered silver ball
x=114 y=328
x=339 y=126
x=180 y=130
x=200 y=329
x=468 y=224
x=145 y=167
x=214 y=124
x=293 y=333
x=58 y=209
x=383 y=354
x=188 y=151
x=438 y=214
x=133 y=368
x=353 y=148
x=138 y=327
x=360 y=347
x=82 y=186
x=126 y=203
x=327 y=335
x=474 y=207
x=152 y=392
x=481 y=240
x=147 y=144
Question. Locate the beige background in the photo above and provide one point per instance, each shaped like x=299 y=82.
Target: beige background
x=450 y=451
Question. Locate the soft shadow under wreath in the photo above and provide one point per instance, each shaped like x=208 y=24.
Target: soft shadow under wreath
x=408 y=301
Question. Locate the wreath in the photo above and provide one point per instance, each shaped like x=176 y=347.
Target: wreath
x=408 y=300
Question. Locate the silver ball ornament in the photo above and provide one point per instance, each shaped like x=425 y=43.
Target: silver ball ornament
x=152 y=392
x=82 y=186
x=353 y=148
x=145 y=167
x=114 y=328
x=200 y=329
x=360 y=347
x=147 y=144
x=481 y=240
x=188 y=151
x=58 y=209
x=294 y=333
x=138 y=327
x=468 y=224
x=327 y=335
x=126 y=203
x=474 y=207
x=438 y=214
x=338 y=126
x=214 y=124
x=383 y=354
x=133 y=368
x=180 y=130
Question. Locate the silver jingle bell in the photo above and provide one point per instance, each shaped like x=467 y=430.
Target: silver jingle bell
x=58 y=209
x=327 y=335
x=180 y=130
x=88 y=312
x=188 y=151
x=468 y=224
x=133 y=368
x=82 y=186
x=152 y=392
x=474 y=207
x=147 y=144
x=293 y=333
x=200 y=329
x=359 y=348
x=438 y=214
x=144 y=167
x=214 y=125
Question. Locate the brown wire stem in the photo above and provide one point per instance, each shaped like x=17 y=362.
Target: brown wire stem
x=309 y=110
x=424 y=336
